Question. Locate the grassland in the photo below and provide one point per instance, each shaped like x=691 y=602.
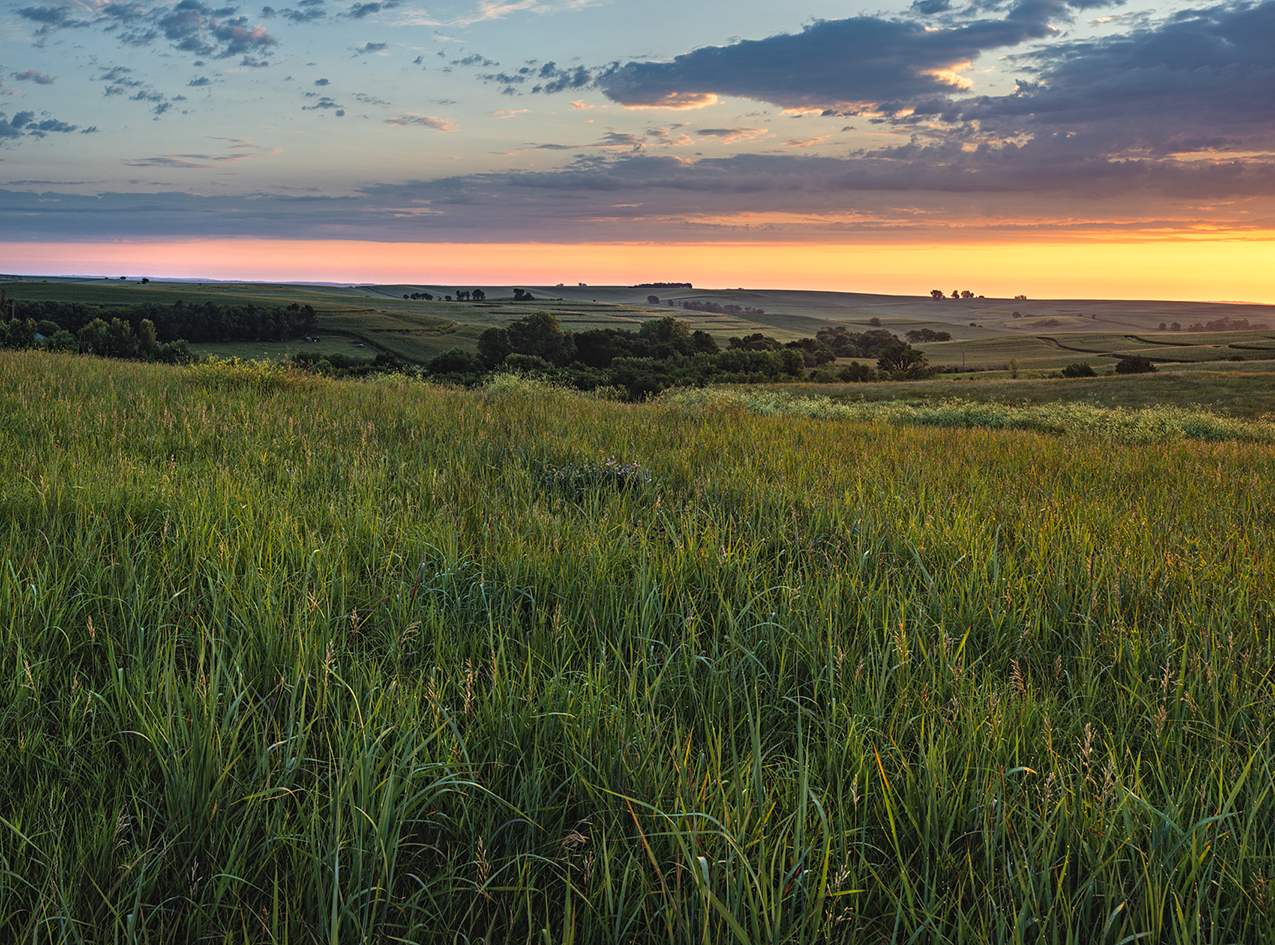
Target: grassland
x=293 y=660
x=1244 y=391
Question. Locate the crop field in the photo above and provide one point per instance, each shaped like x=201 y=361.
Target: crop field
x=287 y=659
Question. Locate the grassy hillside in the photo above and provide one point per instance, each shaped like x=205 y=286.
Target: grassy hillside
x=293 y=660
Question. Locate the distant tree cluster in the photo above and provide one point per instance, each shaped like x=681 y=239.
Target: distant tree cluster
x=663 y=285
x=956 y=294
x=716 y=308
x=1226 y=324
x=845 y=343
x=522 y=296
x=666 y=352
x=420 y=297
x=924 y=335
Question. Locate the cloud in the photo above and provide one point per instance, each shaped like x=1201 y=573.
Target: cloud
x=322 y=82
x=238 y=149
x=853 y=62
x=359 y=11
x=32 y=76
x=371 y=48
x=734 y=135
x=324 y=103
x=199 y=82
x=1197 y=81
x=499 y=9
x=509 y=112
x=423 y=121
x=52 y=17
x=306 y=11
x=190 y=26
x=26 y=124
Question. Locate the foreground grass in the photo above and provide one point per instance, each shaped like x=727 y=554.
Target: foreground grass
x=288 y=660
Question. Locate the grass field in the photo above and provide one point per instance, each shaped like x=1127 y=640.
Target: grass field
x=295 y=660
x=1245 y=391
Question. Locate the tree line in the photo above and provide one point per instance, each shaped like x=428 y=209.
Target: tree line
x=149 y=331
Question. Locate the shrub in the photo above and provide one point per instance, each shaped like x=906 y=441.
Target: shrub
x=1135 y=364
x=1079 y=369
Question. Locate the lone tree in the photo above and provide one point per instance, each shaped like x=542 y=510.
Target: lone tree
x=903 y=362
x=936 y=293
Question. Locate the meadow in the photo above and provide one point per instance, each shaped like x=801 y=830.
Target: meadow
x=287 y=659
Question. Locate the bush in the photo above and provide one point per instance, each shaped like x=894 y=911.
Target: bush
x=1080 y=369
x=1135 y=364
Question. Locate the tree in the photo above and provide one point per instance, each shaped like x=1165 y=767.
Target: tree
x=1079 y=369
x=478 y=295
x=956 y=293
x=493 y=346
x=541 y=334
x=902 y=361
x=936 y=293
x=652 y=300
x=454 y=361
x=967 y=294
x=1135 y=364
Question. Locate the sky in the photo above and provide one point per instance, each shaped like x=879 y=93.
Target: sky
x=1091 y=148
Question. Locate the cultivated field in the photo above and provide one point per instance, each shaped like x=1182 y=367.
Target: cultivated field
x=293 y=660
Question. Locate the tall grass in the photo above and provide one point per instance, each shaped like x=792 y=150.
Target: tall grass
x=1144 y=425
x=354 y=662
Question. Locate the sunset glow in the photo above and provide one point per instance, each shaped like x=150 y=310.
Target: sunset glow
x=1197 y=269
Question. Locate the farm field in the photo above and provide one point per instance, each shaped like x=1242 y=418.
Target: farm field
x=288 y=659
x=1049 y=334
